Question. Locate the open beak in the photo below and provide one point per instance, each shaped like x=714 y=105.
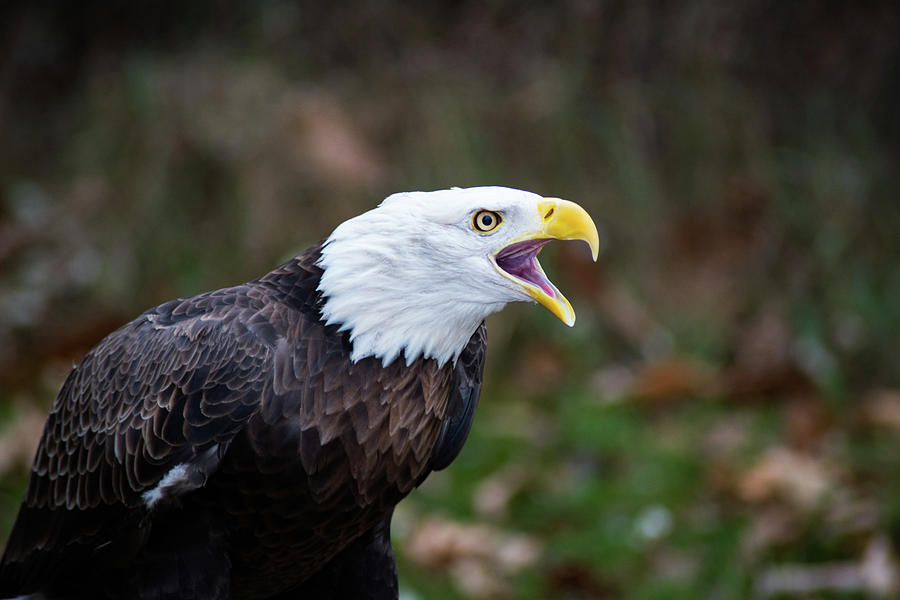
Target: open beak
x=560 y=220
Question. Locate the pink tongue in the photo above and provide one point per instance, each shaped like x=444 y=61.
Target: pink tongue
x=520 y=261
x=544 y=284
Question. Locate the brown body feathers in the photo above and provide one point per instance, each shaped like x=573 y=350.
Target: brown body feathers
x=225 y=446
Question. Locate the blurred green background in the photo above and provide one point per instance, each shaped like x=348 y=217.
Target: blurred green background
x=722 y=422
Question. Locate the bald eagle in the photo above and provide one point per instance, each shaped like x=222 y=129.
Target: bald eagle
x=252 y=442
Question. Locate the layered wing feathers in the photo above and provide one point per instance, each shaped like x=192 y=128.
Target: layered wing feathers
x=170 y=389
x=154 y=394
x=152 y=411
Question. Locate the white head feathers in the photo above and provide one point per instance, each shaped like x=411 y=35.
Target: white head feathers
x=414 y=276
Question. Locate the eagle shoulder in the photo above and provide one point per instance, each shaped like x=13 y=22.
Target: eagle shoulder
x=145 y=417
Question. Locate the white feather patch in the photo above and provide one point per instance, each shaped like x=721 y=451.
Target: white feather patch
x=412 y=276
x=176 y=475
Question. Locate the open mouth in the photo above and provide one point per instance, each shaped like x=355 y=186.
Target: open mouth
x=520 y=261
x=559 y=220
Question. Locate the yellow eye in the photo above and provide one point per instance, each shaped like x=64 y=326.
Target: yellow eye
x=486 y=221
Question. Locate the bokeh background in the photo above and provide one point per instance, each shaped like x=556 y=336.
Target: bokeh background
x=723 y=420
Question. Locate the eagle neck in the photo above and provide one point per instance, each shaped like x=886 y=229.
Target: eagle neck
x=391 y=304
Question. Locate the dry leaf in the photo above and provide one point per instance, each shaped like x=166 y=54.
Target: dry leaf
x=436 y=542
x=477 y=579
x=672 y=379
x=477 y=556
x=800 y=478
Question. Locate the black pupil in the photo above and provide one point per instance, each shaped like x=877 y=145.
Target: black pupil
x=487 y=220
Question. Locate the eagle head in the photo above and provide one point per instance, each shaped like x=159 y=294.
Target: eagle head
x=419 y=273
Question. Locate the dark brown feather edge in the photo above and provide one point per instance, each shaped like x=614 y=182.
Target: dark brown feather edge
x=186 y=379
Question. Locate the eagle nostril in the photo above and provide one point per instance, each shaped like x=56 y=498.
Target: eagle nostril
x=549 y=214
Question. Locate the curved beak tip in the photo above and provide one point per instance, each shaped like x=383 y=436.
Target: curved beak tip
x=565 y=220
x=562 y=220
x=595 y=246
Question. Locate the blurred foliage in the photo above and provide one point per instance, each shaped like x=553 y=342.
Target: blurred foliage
x=720 y=423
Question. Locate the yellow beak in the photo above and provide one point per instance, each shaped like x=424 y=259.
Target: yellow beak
x=564 y=220
x=560 y=220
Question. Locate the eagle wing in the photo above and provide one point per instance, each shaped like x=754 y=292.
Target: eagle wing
x=150 y=412
x=146 y=415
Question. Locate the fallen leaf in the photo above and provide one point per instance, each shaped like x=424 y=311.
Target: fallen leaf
x=671 y=379
x=478 y=557
x=477 y=579
x=435 y=542
x=800 y=478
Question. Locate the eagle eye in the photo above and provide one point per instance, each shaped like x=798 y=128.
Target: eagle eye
x=486 y=221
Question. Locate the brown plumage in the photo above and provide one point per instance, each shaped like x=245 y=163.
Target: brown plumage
x=288 y=458
x=252 y=442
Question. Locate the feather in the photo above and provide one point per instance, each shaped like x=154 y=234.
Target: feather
x=252 y=442
x=239 y=409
